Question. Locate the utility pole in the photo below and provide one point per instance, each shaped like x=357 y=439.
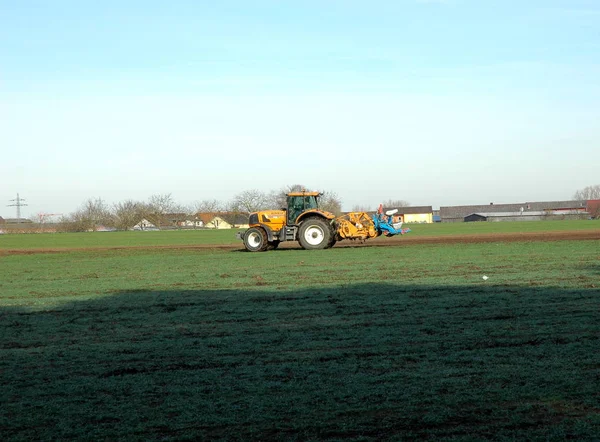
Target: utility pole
x=18 y=204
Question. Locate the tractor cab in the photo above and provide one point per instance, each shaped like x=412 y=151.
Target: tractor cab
x=300 y=202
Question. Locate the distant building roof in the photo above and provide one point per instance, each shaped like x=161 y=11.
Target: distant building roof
x=229 y=217
x=411 y=210
x=236 y=218
x=167 y=219
x=17 y=221
x=453 y=212
x=206 y=217
x=502 y=214
x=462 y=211
x=553 y=205
x=528 y=213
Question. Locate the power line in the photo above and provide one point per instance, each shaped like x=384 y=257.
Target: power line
x=18 y=204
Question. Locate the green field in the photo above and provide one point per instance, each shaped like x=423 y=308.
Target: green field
x=364 y=343
x=117 y=239
x=193 y=237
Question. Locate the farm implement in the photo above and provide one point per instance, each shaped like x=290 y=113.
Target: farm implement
x=312 y=227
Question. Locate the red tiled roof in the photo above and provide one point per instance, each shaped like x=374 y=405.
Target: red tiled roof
x=230 y=217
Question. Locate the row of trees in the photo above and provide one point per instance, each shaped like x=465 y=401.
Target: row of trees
x=588 y=193
x=126 y=214
x=123 y=215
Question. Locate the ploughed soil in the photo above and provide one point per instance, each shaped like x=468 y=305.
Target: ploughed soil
x=396 y=241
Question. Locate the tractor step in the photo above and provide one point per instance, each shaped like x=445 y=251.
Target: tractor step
x=288 y=233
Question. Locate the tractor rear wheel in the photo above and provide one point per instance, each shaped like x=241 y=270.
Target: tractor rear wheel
x=255 y=240
x=314 y=234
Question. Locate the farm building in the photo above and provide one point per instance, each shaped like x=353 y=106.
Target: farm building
x=169 y=221
x=144 y=224
x=172 y=220
x=190 y=223
x=217 y=220
x=421 y=214
x=593 y=208
x=223 y=220
x=517 y=211
x=531 y=215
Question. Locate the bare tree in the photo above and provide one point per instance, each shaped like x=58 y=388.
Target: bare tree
x=278 y=198
x=161 y=204
x=249 y=201
x=207 y=206
x=394 y=204
x=128 y=213
x=254 y=200
x=66 y=224
x=93 y=213
x=594 y=209
x=98 y=212
x=362 y=208
x=331 y=202
x=588 y=193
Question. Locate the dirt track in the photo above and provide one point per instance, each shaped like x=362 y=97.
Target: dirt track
x=577 y=235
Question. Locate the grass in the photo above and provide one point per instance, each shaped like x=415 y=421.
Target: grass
x=117 y=239
x=199 y=237
x=366 y=344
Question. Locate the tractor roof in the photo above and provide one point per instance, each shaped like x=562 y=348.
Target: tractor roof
x=304 y=193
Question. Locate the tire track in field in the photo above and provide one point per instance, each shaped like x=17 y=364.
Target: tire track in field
x=397 y=241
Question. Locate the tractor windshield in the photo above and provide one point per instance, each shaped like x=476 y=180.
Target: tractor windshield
x=299 y=204
x=310 y=202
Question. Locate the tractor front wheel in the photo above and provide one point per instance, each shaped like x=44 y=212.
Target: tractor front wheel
x=314 y=234
x=255 y=240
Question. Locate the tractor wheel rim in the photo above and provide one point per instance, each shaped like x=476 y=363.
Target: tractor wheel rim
x=314 y=235
x=254 y=239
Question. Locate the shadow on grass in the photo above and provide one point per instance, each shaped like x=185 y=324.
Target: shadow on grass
x=366 y=362
x=594 y=268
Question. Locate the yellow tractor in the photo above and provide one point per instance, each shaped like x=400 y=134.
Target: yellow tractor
x=312 y=227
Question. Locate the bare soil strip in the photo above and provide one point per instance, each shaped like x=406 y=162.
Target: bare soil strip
x=569 y=235
x=397 y=241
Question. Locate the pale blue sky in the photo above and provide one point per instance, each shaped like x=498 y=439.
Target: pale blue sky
x=438 y=102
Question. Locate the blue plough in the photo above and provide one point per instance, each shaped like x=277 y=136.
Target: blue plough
x=385 y=223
